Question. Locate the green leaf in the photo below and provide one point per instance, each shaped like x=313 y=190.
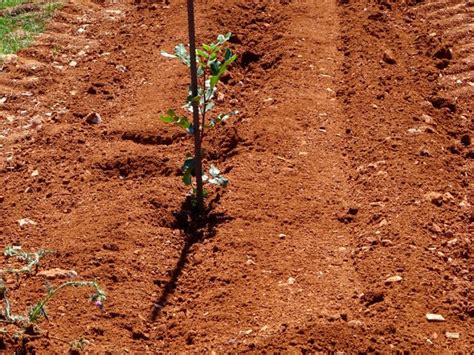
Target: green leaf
x=182 y=53
x=167 y=55
x=222 y=117
x=214 y=80
x=180 y=121
x=209 y=106
x=170 y=117
x=214 y=171
x=207 y=47
x=215 y=67
x=187 y=169
x=220 y=39
x=227 y=54
x=220 y=180
x=201 y=53
x=187 y=179
x=230 y=60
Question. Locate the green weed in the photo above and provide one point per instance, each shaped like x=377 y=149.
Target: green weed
x=29 y=319
x=17 y=32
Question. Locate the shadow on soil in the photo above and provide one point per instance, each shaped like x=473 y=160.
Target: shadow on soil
x=195 y=229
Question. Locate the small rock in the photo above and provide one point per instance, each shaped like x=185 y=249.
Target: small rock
x=291 y=280
x=435 y=198
x=355 y=323
x=466 y=140
x=138 y=334
x=35 y=173
x=93 y=118
x=246 y=332
x=332 y=316
x=26 y=221
x=452 y=242
x=121 y=68
x=386 y=242
x=220 y=97
x=436 y=228
x=73 y=63
x=372 y=297
x=433 y=317
x=353 y=211
x=464 y=203
x=388 y=57
x=428 y=119
x=450 y=335
x=392 y=279
x=414 y=130
x=425 y=152
x=447 y=197
x=36 y=122
x=58 y=274
x=282 y=236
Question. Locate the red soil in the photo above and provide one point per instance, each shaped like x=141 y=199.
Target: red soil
x=351 y=162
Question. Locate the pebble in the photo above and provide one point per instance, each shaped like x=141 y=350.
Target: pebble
x=355 y=323
x=282 y=236
x=448 y=197
x=425 y=153
x=93 y=118
x=57 y=273
x=452 y=242
x=35 y=173
x=25 y=221
x=121 y=68
x=435 y=198
x=291 y=280
x=433 y=317
x=392 y=279
x=450 y=335
x=386 y=242
x=388 y=57
x=427 y=119
x=436 y=228
x=73 y=63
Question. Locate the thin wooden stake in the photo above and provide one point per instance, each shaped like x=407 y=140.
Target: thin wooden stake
x=196 y=123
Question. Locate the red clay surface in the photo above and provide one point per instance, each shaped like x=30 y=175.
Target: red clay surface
x=354 y=142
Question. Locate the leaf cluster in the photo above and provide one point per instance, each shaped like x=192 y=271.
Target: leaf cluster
x=213 y=60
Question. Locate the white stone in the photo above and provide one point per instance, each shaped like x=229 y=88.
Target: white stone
x=433 y=317
x=26 y=221
x=396 y=278
x=450 y=335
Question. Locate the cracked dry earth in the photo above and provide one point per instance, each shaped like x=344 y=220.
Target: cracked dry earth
x=349 y=213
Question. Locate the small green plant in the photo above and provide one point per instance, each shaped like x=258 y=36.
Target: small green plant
x=77 y=346
x=212 y=62
x=29 y=319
